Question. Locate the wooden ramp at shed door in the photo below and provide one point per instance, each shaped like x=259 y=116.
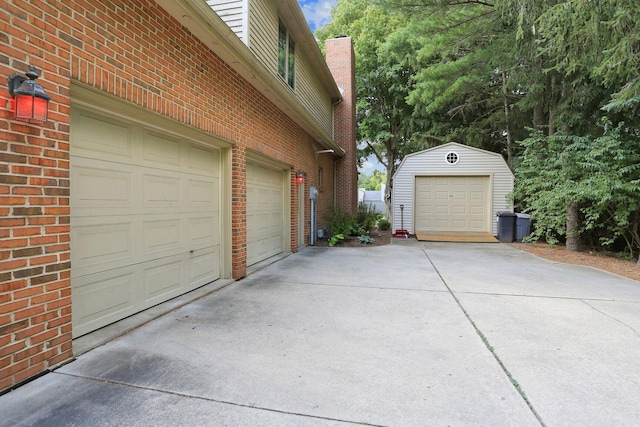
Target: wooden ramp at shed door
x=454 y=236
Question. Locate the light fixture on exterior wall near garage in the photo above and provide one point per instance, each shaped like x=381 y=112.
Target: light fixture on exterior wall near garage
x=31 y=103
x=299 y=177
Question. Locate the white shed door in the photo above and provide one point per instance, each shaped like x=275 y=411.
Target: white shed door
x=144 y=218
x=265 y=212
x=452 y=203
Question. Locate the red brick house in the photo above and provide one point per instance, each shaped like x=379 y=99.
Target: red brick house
x=175 y=133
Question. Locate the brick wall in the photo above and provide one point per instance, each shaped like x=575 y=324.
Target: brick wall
x=35 y=293
x=134 y=50
x=342 y=63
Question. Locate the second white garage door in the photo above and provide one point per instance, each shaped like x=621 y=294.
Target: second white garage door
x=452 y=203
x=144 y=218
x=265 y=212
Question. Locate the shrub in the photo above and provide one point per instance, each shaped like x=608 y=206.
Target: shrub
x=367 y=216
x=366 y=239
x=334 y=240
x=339 y=222
x=384 y=224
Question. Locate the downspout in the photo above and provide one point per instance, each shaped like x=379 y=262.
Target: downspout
x=335 y=166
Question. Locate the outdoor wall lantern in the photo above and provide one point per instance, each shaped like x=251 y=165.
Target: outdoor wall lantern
x=299 y=177
x=31 y=103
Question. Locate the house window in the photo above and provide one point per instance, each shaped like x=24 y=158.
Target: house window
x=320 y=178
x=286 y=55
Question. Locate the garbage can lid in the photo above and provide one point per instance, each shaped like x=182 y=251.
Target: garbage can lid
x=506 y=213
x=521 y=215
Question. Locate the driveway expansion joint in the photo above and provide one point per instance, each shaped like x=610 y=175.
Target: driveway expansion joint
x=222 y=402
x=486 y=343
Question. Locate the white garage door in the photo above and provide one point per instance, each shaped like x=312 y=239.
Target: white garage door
x=265 y=212
x=452 y=203
x=144 y=218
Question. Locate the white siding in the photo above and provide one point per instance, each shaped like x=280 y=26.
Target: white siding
x=311 y=94
x=263 y=42
x=234 y=14
x=260 y=34
x=263 y=33
x=432 y=162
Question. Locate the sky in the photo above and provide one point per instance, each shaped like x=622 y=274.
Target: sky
x=318 y=13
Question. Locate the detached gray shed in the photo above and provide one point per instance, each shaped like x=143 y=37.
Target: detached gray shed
x=452 y=187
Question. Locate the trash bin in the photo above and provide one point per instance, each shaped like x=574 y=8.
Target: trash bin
x=506 y=226
x=523 y=226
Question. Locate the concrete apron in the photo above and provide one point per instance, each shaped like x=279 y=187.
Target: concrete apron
x=406 y=334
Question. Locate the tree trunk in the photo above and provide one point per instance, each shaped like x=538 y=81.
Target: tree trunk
x=391 y=158
x=573 y=224
x=552 y=111
x=506 y=119
x=387 y=195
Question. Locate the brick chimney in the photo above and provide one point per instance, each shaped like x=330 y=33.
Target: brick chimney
x=342 y=64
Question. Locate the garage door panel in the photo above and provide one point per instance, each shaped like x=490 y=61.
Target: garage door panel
x=459 y=210
x=152 y=218
x=102 y=298
x=117 y=186
x=203 y=193
x=265 y=212
x=102 y=136
x=458 y=223
x=442 y=195
x=160 y=191
x=204 y=264
x=202 y=231
x=460 y=203
x=200 y=159
x=460 y=195
x=161 y=150
x=97 y=242
x=163 y=279
x=161 y=236
x=477 y=223
x=478 y=210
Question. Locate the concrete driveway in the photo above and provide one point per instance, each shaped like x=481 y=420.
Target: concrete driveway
x=410 y=334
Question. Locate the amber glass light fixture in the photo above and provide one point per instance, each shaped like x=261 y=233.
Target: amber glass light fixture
x=31 y=103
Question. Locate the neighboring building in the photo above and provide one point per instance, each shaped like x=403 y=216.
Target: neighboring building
x=373 y=199
x=452 y=187
x=169 y=159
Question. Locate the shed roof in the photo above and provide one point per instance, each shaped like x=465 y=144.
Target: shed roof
x=449 y=146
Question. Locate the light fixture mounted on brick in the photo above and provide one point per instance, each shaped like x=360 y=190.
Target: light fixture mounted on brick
x=31 y=102
x=299 y=177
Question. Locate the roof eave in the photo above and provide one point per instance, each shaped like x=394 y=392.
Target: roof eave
x=197 y=17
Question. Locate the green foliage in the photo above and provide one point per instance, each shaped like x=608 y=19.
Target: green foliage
x=386 y=122
x=373 y=181
x=485 y=74
x=384 y=224
x=367 y=217
x=601 y=174
x=356 y=230
x=335 y=239
x=366 y=239
x=339 y=221
x=341 y=224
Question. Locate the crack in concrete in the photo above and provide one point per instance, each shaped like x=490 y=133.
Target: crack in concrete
x=611 y=317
